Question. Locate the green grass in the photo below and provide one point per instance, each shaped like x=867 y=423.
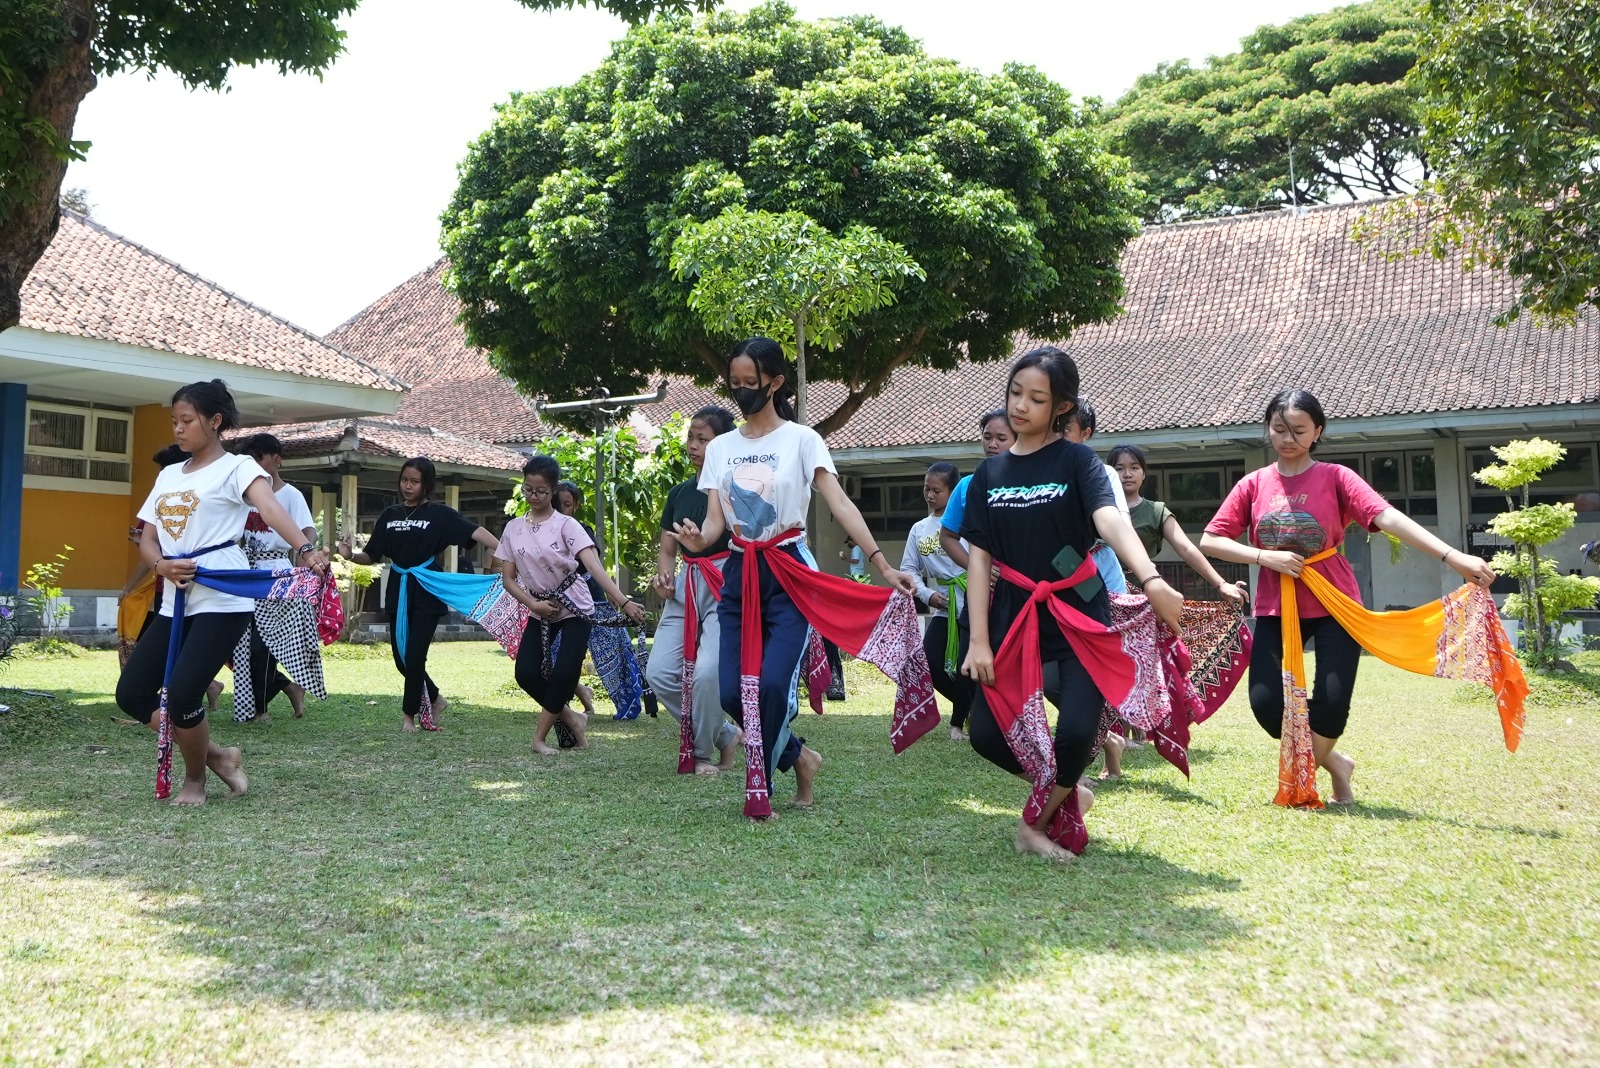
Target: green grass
x=451 y=898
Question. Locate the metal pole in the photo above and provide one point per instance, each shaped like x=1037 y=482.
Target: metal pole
x=604 y=406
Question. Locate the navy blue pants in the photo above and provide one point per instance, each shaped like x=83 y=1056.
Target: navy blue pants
x=784 y=635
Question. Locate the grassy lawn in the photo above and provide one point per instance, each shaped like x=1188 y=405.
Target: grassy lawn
x=396 y=899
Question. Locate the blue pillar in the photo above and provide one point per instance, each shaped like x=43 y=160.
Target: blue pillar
x=13 y=436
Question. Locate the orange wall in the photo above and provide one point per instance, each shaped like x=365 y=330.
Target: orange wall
x=94 y=524
x=152 y=431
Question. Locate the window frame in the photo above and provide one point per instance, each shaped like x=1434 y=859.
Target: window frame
x=92 y=415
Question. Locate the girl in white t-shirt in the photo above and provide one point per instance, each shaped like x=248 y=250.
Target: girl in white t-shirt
x=194 y=516
x=539 y=555
x=759 y=482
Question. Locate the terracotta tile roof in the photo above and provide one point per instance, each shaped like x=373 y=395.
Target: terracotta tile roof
x=411 y=332
x=92 y=283
x=1220 y=314
x=384 y=437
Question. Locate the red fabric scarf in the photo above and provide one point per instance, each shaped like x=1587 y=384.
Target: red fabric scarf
x=706 y=567
x=868 y=622
x=1016 y=697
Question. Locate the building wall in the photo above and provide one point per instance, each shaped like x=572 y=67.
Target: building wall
x=94 y=524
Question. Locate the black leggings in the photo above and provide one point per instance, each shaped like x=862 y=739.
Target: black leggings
x=268 y=681
x=957 y=688
x=571 y=636
x=1078 y=703
x=1338 y=657
x=414 y=667
x=208 y=641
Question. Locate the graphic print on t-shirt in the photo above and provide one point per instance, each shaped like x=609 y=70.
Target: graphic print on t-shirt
x=174 y=510
x=1026 y=496
x=750 y=492
x=1288 y=528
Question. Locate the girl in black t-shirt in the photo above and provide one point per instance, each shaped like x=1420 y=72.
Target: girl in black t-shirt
x=411 y=534
x=1038 y=508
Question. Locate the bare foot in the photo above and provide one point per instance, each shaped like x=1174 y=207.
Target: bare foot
x=586 y=695
x=1107 y=775
x=264 y=718
x=1039 y=844
x=957 y=734
x=1115 y=744
x=408 y=724
x=730 y=752
x=440 y=703
x=705 y=767
x=229 y=767
x=213 y=691
x=805 y=776
x=1341 y=768
x=544 y=750
x=1085 y=799
x=297 y=698
x=193 y=793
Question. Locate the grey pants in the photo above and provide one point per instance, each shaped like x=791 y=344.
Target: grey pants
x=712 y=729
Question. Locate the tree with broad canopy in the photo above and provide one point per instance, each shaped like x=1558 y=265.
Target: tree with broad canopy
x=561 y=231
x=1329 y=90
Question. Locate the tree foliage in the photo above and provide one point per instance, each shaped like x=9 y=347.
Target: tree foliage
x=561 y=231
x=1546 y=594
x=785 y=276
x=1512 y=123
x=637 y=469
x=1331 y=88
x=52 y=52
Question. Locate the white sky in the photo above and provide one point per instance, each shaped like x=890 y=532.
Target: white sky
x=312 y=199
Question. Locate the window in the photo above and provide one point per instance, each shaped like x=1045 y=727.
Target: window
x=1406 y=479
x=1575 y=480
x=890 y=506
x=78 y=447
x=1192 y=493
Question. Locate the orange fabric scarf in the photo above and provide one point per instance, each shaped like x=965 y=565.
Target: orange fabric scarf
x=1457 y=637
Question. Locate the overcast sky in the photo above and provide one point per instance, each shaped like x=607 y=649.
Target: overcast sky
x=313 y=198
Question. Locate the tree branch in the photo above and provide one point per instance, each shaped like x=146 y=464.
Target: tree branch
x=857 y=397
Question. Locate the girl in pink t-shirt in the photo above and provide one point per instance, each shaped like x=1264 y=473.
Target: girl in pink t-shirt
x=1291 y=510
x=539 y=555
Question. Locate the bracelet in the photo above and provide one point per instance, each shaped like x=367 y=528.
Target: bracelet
x=876 y=552
x=1142 y=582
x=1258 y=557
x=1446 y=557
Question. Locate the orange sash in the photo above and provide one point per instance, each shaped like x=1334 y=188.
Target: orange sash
x=1457 y=637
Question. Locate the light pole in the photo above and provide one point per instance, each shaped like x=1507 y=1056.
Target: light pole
x=605 y=408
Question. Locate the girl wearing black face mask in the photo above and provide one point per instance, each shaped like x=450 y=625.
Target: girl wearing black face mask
x=759 y=482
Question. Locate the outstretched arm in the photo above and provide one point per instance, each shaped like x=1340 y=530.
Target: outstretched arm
x=848 y=516
x=259 y=494
x=701 y=536
x=1117 y=532
x=630 y=608
x=1393 y=521
x=1232 y=592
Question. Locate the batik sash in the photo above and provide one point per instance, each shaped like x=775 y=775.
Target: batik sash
x=293 y=584
x=708 y=571
x=289 y=629
x=483 y=599
x=869 y=622
x=1457 y=637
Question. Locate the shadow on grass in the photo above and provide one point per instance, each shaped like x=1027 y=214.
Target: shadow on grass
x=461 y=875
x=1362 y=810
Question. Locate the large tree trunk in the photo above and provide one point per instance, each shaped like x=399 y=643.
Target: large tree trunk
x=30 y=226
